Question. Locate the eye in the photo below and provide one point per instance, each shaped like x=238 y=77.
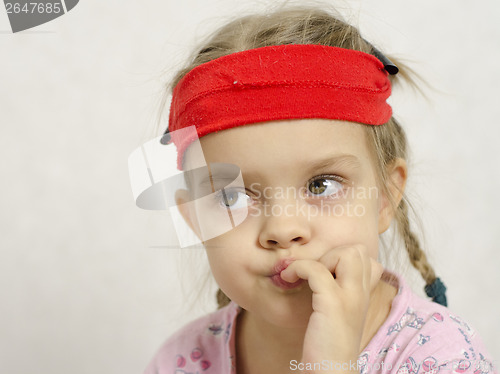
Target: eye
x=325 y=185
x=232 y=199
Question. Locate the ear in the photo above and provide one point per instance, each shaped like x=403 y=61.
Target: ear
x=181 y=198
x=397 y=176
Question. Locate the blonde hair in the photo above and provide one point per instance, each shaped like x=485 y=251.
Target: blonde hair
x=306 y=25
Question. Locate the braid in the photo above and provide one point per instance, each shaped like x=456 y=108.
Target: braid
x=434 y=287
x=389 y=142
x=417 y=256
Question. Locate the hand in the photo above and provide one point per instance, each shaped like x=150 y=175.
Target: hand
x=341 y=282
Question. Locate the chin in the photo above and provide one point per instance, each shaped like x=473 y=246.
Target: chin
x=286 y=310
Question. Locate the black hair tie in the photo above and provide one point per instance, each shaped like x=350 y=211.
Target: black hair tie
x=437 y=291
x=389 y=66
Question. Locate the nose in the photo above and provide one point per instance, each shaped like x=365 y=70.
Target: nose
x=283 y=227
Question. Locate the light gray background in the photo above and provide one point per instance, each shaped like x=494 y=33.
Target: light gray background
x=83 y=289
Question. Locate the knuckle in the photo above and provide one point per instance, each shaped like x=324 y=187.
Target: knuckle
x=318 y=267
x=354 y=253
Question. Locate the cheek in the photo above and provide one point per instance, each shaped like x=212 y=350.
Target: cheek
x=226 y=259
x=357 y=223
x=220 y=266
x=229 y=274
x=365 y=200
x=368 y=224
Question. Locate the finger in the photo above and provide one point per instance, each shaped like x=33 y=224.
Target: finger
x=377 y=269
x=318 y=276
x=349 y=265
x=365 y=272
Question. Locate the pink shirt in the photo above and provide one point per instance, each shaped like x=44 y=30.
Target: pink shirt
x=418 y=337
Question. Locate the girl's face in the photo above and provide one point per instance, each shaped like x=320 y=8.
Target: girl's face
x=310 y=187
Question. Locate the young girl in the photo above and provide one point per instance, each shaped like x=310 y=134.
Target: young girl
x=296 y=102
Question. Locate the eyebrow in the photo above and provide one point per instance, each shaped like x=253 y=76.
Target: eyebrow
x=338 y=160
x=215 y=179
x=212 y=178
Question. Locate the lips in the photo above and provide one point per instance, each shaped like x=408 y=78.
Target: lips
x=281 y=265
x=276 y=275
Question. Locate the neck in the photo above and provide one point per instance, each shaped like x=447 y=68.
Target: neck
x=262 y=347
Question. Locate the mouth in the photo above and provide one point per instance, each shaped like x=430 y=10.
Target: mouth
x=276 y=279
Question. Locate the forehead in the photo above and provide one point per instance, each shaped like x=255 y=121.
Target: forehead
x=282 y=143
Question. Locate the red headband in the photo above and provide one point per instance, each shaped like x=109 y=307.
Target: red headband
x=280 y=82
